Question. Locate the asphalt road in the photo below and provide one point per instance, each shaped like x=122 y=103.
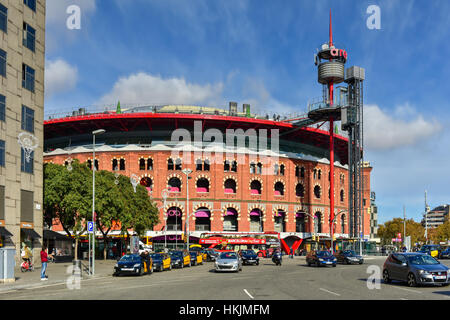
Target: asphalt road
x=291 y=281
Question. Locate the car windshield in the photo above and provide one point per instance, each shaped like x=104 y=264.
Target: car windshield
x=323 y=254
x=422 y=260
x=157 y=256
x=248 y=251
x=228 y=255
x=176 y=254
x=350 y=253
x=129 y=257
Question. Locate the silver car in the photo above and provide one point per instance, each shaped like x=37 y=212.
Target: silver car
x=415 y=269
x=228 y=261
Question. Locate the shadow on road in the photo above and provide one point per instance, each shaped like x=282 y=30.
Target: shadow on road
x=445 y=293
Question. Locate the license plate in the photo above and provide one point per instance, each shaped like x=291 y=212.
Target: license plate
x=127 y=269
x=251 y=260
x=328 y=262
x=440 y=277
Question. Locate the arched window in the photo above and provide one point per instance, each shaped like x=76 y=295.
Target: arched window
x=226 y=166
x=234 y=166
x=149 y=164
x=198 y=165
x=282 y=170
x=202 y=219
x=300 y=222
x=343 y=223
x=202 y=185
x=256 y=221
x=317 y=192
x=230 y=222
x=342 y=195
x=255 y=187
x=122 y=164
x=230 y=186
x=279 y=189
x=318 y=222
x=315 y=173
x=297 y=171
x=174 y=184
x=147 y=182
x=206 y=165
x=141 y=164
x=252 y=168
x=319 y=174
x=259 y=168
x=280 y=223
x=178 y=164
x=302 y=172
x=276 y=169
x=299 y=190
x=115 y=164
x=174 y=219
x=89 y=164
x=170 y=165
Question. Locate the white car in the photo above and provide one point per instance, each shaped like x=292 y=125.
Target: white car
x=228 y=261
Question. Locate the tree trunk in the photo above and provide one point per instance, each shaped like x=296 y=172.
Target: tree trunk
x=76 y=248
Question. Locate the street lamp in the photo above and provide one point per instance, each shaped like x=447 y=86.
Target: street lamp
x=332 y=225
x=187 y=172
x=94 y=133
x=314 y=224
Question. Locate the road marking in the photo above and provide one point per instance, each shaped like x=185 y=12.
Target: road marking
x=2 y=292
x=410 y=290
x=337 y=294
x=249 y=294
x=403 y=299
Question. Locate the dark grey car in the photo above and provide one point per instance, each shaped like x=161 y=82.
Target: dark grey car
x=415 y=269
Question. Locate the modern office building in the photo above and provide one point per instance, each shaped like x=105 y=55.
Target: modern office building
x=22 y=48
x=437 y=216
x=373 y=217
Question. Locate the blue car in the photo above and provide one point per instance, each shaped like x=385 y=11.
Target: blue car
x=249 y=257
x=131 y=264
x=321 y=258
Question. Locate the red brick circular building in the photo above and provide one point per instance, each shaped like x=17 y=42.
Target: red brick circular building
x=275 y=185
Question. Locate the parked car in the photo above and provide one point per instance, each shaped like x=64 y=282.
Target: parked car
x=132 y=264
x=320 y=258
x=196 y=258
x=433 y=250
x=249 y=257
x=445 y=254
x=161 y=261
x=415 y=269
x=197 y=247
x=211 y=254
x=348 y=257
x=180 y=258
x=228 y=261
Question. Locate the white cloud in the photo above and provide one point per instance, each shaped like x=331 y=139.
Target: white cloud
x=384 y=130
x=142 y=88
x=59 y=77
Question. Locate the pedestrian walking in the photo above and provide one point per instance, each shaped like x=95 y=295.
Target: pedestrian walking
x=291 y=253
x=44 y=261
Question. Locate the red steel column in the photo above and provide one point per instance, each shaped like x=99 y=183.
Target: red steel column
x=331 y=177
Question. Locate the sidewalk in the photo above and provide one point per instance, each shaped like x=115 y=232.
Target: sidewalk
x=57 y=273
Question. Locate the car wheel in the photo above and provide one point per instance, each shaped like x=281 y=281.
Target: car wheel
x=150 y=270
x=412 y=280
x=140 y=272
x=386 y=278
x=346 y=261
x=182 y=265
x=23 y=269
x=334 y=265
x=317 y=264
x=257 y=263
x=170 y=267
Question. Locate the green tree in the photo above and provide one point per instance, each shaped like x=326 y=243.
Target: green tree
x=139 y=213
x=108 y=204
x=441 y=233
x=68 y=197
x=391 y=228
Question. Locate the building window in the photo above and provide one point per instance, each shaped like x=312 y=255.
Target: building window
x=252 y=168
x=141 y=164
x=234 y=166
x=282 y=170
x=114 y=165
x=170 y=165
x=149 y=164
x=121 y=164
x=26 y=166
x=2 y=107
x=279 y=189
x=342 y=195
x=259 y=168
x=178 y=164
x=297 y=171
x=299 y=190
x=255 y=187
x=29 y=36
x=89 y=164
x=3 y=18
x=302 y=172
x=206 y=165
x=202 y=185
x=230 y=186
x=31 y=4
x=26 y=206
x=2 y=63
x=2 y=153
x=27 y=77
x=226 y=166
x=276 y=169
x=27 y=119
x=317 y=192
x=198 y=165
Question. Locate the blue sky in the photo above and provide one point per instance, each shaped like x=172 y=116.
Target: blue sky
x=209 y=52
